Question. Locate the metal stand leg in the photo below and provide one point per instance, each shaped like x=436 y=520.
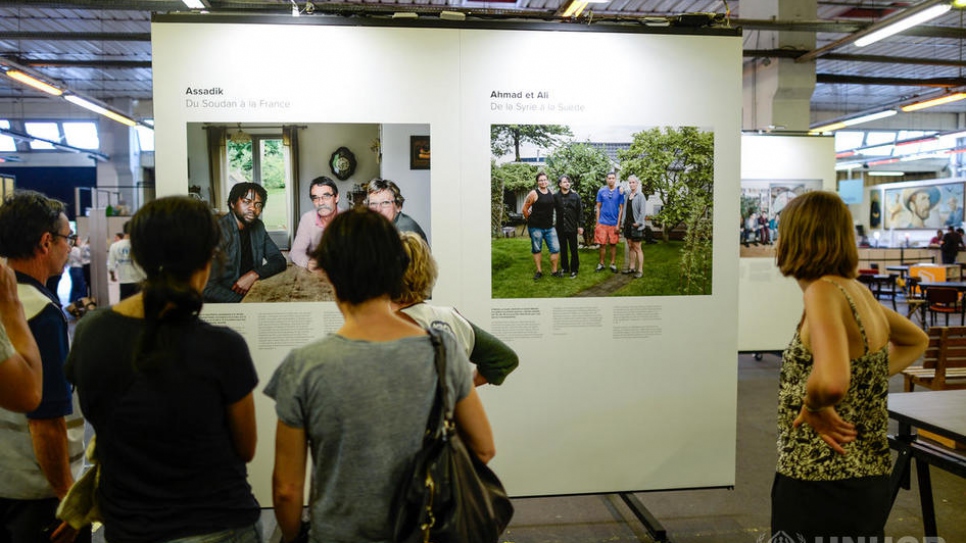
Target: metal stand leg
x=900 y=471
x=651 y=524
x=925 y=498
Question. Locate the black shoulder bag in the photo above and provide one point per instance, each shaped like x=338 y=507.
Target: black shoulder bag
x=449 y=496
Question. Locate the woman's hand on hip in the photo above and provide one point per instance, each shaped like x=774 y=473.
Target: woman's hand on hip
x=832 y=428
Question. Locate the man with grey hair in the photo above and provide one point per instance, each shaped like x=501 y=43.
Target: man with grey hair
x=384 y=197
x=42 y=450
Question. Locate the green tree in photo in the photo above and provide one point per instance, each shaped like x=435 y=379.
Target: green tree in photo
x=677 y=164
x=240 y=159
x=509 y=177
x=273 y=164
x=587 y=167
x=505 y=138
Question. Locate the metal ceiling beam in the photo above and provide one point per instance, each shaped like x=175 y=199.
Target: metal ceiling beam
x=104 y=64
x=76 y=36
x=842 y=27
x=126 y=5
x=836 y=79
x=795 y=53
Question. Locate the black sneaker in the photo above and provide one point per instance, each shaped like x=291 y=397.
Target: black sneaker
x=537 y=276
x=558 y=273
x=573 y=275
x=613 y=268
x=600 y=268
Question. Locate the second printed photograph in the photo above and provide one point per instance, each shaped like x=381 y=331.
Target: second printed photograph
x=597 y=211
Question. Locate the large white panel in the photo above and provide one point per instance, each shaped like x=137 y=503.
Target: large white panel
x=303 y=75
x=769 y=305
x=587 y=411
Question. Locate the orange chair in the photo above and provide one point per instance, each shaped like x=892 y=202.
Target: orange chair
x=943 y=300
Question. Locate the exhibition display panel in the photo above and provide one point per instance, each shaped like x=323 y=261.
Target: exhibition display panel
x=615 y=392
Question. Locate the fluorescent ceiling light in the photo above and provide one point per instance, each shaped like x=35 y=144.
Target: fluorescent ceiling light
x=99 y=109
x=870 y=117
x=195 y=4
x=575 y=8
x=887 y=174
x=949 y=98
x=35 y=83
x=853 y=121
x=904 y=24
x=959 y=3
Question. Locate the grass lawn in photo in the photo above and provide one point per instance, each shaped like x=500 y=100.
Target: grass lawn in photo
x=513 y=269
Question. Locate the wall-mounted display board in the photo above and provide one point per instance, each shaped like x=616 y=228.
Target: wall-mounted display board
x=774 y=169
x=617 y=390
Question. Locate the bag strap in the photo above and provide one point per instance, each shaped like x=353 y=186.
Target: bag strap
x=441 y=416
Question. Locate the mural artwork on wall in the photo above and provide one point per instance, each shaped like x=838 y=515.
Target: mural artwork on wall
x=762 y=202
x=546 y=240
x=281 y=185
x=930 y=207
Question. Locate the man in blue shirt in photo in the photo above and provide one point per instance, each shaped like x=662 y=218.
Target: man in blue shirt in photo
x=610 y=205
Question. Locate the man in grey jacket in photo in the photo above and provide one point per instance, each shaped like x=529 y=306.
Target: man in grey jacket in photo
x=247 y=252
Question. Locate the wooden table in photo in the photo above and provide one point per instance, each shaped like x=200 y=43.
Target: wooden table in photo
x=295 y=284
x=941 y=412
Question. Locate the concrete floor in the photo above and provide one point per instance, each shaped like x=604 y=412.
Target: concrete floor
x=740 y=515
x=725 y=516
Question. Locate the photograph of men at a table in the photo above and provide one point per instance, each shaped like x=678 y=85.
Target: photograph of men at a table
x=276 y=186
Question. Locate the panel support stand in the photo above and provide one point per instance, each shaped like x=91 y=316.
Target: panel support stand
x=651 y=524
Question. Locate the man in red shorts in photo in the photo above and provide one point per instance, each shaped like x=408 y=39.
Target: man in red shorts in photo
x=610 y=205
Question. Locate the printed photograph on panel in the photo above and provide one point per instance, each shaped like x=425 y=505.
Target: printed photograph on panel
x=582 y=211
x=924 y=207
x=762 y=202
x=275 y=187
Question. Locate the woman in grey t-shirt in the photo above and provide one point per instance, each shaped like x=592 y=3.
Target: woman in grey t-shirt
x=359 y=399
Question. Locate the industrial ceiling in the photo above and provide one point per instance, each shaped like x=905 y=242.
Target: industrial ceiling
x=102 y=48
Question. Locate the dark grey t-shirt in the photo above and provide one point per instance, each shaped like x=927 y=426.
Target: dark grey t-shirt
x=364 y=406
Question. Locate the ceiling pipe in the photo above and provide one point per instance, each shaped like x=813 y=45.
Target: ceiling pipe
x=883 y=59
x=835 y=79
x=79 y=36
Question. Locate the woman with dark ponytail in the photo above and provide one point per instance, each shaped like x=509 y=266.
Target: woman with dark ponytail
x=169 y=396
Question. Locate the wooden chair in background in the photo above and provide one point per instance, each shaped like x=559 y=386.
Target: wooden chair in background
x=943 y=300
x=944 y=362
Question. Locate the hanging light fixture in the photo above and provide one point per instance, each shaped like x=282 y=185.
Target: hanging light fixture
x=946 y=99
x=101 y=110
x=832 y=127
x=240 y=136
x=904 y=23
x=30 y=81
